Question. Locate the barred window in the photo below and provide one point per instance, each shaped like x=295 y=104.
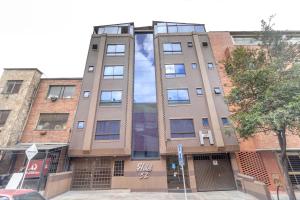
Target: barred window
x=108 y=130
x=12 y=86
x=119 y=168
x=61 y=91
x=52 y=121
x=3 y=116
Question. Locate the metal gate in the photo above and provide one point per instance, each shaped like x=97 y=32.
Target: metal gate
x=213 y=172
x=294 y=168
x=91 y=173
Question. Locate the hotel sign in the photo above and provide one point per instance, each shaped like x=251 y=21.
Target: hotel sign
x=144 y=170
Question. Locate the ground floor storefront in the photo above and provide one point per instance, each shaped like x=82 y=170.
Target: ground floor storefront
x=203 y=172
x=51 y=158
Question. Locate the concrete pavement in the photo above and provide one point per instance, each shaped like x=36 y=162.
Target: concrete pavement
x=126 y=195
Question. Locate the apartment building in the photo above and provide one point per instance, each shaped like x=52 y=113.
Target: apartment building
x=144 y=91
x=258 y=156
x=17 y=91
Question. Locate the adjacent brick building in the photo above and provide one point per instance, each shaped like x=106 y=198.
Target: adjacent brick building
x=258 y=156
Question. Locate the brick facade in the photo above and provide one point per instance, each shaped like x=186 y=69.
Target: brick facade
x=44 y=105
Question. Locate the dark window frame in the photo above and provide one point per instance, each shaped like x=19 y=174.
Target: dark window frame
x=217 y=90
x=187 y=134
x=107 y=136
x=64 y=124
x=119 y=168
x=111 y=102
x=201 y=93
x=225 y=121
x=4 y=113
x=205 y=122
x=14 y=89
x=61 y=92
x=178 y=101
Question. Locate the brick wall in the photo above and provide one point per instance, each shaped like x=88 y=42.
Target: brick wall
x=43 y=105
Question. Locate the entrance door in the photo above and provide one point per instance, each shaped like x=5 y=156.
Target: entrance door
x=91 y=173
x=213 y=172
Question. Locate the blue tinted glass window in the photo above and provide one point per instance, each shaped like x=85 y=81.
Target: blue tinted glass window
x=145 y=139
x=225 y=121
x=172 y=29
x=113 y=72
x=179 y=69
x=217 y=90
x=107 y=130
x=168 y=47
x=111 y=97
x=80 y=125
x=182 y=128
x=199 y=91
x=194 y=65
x=199 y=28
x=210 y=65
x=205 y=122
x=115 y=49
x=177 y=96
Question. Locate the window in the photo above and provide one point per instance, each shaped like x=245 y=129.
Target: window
x=204 y=44
x=12 y=87
x=62 y=92
x=190 y=44
x=225 y=121
x=113 y=72
x=52 y=121
x=199 y=91
x=205 y=122
x=3 y=116
x=86 y=94
x=217 y=90
x=111 y=96
x=178 y=96
x=91 y=68
x=210 y=65
x=108 y=130
x=176 y=70
x=172 y=48
x=182 y=128
x=119 y=168
x=194 y=65
x=115 y=50
x=94 y=46
x=80 y=125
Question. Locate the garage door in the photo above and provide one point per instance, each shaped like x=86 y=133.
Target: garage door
x=213 y=172
x=91 y=173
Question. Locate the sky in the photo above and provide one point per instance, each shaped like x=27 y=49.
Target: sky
x=54 y=35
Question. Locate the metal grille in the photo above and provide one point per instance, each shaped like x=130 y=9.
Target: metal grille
x=294 y=168
x=252 y=165
x=91 y=173
x=213 y=172
x=119 y=168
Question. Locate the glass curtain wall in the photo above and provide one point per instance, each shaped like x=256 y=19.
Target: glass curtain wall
x=145 y=142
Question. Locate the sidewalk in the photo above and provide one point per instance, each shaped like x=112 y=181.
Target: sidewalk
x=283 y=196
x=125 y=195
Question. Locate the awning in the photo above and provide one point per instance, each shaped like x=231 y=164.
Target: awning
x=40 y=146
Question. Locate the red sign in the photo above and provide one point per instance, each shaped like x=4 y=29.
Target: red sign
x=35 y=167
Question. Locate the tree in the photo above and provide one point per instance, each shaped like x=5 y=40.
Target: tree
x=266 y=90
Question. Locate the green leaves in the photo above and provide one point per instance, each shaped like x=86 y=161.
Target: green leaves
x=266 y=80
